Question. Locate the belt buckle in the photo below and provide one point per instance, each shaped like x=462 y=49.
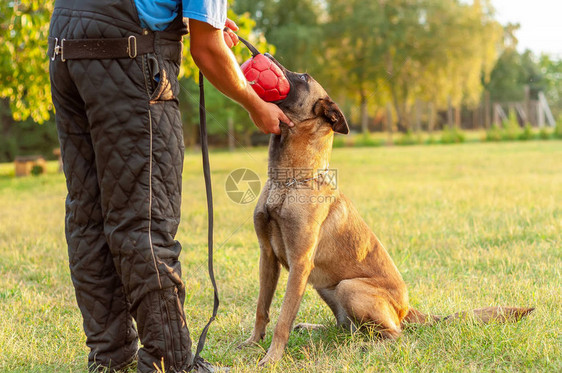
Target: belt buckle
x=132 y=46
x=58 y=49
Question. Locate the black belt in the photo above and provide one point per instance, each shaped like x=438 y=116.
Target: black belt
x=112 y=48
x=98 y=49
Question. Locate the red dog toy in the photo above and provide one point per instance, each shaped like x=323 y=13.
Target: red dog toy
x=265 y=76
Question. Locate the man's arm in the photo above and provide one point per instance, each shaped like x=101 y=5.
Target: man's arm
x=219 y=66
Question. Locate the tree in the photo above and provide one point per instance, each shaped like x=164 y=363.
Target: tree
x=512 y=72
x=354 y=50
x=551 y=71
x=24 y=67
x=291 y=25
x=402 y=50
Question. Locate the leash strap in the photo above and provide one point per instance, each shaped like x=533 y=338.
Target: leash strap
x=248 y=45
x=209 y=191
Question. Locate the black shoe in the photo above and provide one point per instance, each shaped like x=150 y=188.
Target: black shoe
x=203 y=366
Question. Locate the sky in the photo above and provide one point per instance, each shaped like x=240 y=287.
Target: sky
x=540 y=20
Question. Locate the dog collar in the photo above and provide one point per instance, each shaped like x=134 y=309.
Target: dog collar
x=295 y=182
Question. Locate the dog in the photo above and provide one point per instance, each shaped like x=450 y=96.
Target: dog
x=325 y=244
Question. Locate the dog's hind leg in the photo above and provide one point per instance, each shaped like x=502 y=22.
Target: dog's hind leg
x=329 y=296
x=372 y=306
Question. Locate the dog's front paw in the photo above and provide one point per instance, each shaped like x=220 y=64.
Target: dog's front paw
x=270 y=358
x=253 y=340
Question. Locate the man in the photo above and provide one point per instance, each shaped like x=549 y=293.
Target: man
x=122 y=146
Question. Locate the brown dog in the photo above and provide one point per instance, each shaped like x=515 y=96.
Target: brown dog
x=325 y=244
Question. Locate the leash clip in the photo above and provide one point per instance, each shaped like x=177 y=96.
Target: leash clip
x=58 y=49
x=132 y=46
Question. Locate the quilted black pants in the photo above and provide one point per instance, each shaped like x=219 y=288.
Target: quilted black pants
x=122 y=147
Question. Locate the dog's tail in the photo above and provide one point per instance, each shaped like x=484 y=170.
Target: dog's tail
x=483 y=315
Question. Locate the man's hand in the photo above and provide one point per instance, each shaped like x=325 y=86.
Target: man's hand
x=217 y=62
x=230 y=38
x=267 y=117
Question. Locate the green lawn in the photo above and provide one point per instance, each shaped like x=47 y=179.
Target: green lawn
x=468 y=226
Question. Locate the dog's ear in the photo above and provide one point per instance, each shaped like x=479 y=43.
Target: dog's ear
x=328 y=109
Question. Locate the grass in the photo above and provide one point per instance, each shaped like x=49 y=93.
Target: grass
x=468 y=226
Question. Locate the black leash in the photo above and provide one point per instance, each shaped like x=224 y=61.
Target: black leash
x=248 y=45
x=209 y=192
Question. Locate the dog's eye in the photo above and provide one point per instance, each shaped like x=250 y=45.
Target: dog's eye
x=303 y=77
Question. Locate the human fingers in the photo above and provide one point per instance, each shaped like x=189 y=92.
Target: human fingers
x=231 y=25
x=228 y=40
x=283 y=118
x=233 y=37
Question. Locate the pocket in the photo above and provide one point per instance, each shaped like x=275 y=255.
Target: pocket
x=162 y=78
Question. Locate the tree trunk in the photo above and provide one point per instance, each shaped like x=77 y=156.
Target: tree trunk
x=247 y=138
x=364 y=113
x=458 y=113
x=418 y=116
x=528 y=103
x=400 y=117
x=487 y=117
x=497 y=119
x=388 y=121
x=431 y=124
x=231 y=139
x=449 y=112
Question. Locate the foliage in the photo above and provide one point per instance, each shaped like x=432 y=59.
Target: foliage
x=339 y=142
x=527 y=133
x=494 y=133
x=451 y=135
x=37 y=170
x=551 y=71
x=512 y=132
x=512 y=72
x=431 y=140
x=291 y=25
x=25 y=137
x=366 y=139
x=511 y=129
x=366 y=53
x=408 y=138
x=558 y=129
x=24 y=66
x=544 y=133
x=385 y=51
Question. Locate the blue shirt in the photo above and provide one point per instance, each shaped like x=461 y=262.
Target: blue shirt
x=156 y=15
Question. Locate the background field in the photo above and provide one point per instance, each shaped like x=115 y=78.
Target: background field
x=468 y=226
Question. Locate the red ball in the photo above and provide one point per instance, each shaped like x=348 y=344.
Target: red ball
x=266 y=78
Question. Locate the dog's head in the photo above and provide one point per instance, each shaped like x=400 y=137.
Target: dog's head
x=307 y=101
